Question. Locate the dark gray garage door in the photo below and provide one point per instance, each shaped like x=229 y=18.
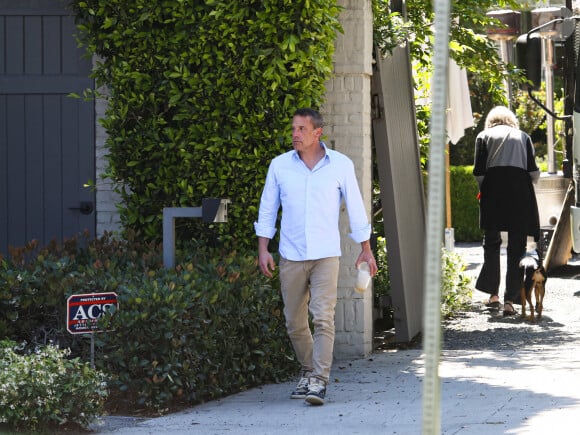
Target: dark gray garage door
x=46 y=137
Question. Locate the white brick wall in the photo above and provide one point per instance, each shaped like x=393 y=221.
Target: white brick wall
x=348 y=129
x=107 y=214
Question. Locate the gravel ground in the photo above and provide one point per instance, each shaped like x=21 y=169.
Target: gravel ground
x=480 y=328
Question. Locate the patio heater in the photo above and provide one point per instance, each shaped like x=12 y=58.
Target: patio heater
x=550 y=25
x=575 y=209
x=504 y=36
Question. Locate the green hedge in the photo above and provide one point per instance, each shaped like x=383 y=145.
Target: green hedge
x=201 y=96
x=209 y=327
x=464 y=205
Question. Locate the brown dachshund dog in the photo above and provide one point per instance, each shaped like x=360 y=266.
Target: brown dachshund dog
x=534 y=278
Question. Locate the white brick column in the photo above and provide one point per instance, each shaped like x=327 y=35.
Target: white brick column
x=347 y=113
x=107 y=215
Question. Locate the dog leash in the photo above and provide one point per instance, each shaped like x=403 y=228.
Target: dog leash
x=539 y=252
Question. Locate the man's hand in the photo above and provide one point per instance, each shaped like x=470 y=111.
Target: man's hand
x=265 y=259
x=366 y=256
x=267 y=264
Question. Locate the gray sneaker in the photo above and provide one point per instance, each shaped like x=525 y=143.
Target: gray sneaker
x=301 y=389
x=316 y=391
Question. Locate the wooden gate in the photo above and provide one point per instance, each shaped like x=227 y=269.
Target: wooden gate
x=47 y=143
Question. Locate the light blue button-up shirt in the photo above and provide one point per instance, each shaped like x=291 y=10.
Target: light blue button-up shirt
x=311 y=201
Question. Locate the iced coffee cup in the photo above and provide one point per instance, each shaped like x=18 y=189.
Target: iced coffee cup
x=363 y=278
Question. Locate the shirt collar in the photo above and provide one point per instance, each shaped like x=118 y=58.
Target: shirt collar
x=322 y=144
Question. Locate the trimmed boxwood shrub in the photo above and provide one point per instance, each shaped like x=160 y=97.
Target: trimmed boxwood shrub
x=211 y=326
x=464 y=204
x=35 y=282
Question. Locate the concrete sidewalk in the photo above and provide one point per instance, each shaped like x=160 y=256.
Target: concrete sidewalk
x=512 y=392
x=532 y=390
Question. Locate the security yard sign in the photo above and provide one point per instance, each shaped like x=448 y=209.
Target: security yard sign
x=84 y=311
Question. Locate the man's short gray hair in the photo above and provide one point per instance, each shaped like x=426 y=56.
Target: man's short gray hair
x=314 y=115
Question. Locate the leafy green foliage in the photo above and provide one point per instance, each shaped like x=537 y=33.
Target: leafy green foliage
x=468 y=46
x=464 y=204
x=46 y=389
x=211 y=326
x=381 y=281
x=35 y=282
x=200 y=99
x=456 y=292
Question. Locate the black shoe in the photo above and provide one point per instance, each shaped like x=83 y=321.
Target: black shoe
x=493 y=305
x=316 y=392
x=301 y=389
x=509 y=312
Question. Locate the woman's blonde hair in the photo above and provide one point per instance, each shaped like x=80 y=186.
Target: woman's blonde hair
x=501 y=115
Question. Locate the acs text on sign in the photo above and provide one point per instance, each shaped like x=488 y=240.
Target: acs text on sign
x=84 y=311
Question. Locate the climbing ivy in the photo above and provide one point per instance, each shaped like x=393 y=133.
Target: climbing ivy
x=200 y=99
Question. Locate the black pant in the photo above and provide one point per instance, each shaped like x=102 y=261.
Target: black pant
x=489 y=277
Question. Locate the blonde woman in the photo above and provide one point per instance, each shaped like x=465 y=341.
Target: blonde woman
x=505 y=169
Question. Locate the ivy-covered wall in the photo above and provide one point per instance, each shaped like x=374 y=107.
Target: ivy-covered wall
x=200 y=99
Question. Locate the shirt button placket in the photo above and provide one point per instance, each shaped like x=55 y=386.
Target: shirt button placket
x=307 y=213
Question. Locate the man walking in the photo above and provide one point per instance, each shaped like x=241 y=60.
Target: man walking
x=310 y=183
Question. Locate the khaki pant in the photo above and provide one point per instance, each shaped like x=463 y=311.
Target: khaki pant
x=311 y=286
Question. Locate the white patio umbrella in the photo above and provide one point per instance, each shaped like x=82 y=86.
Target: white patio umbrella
x=459 y=115
x=458 y=118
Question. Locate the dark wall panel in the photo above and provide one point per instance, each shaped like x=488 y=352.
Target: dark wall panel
x=34 y=167
x=53 y=165
x=47 y=138
x=3 y=172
